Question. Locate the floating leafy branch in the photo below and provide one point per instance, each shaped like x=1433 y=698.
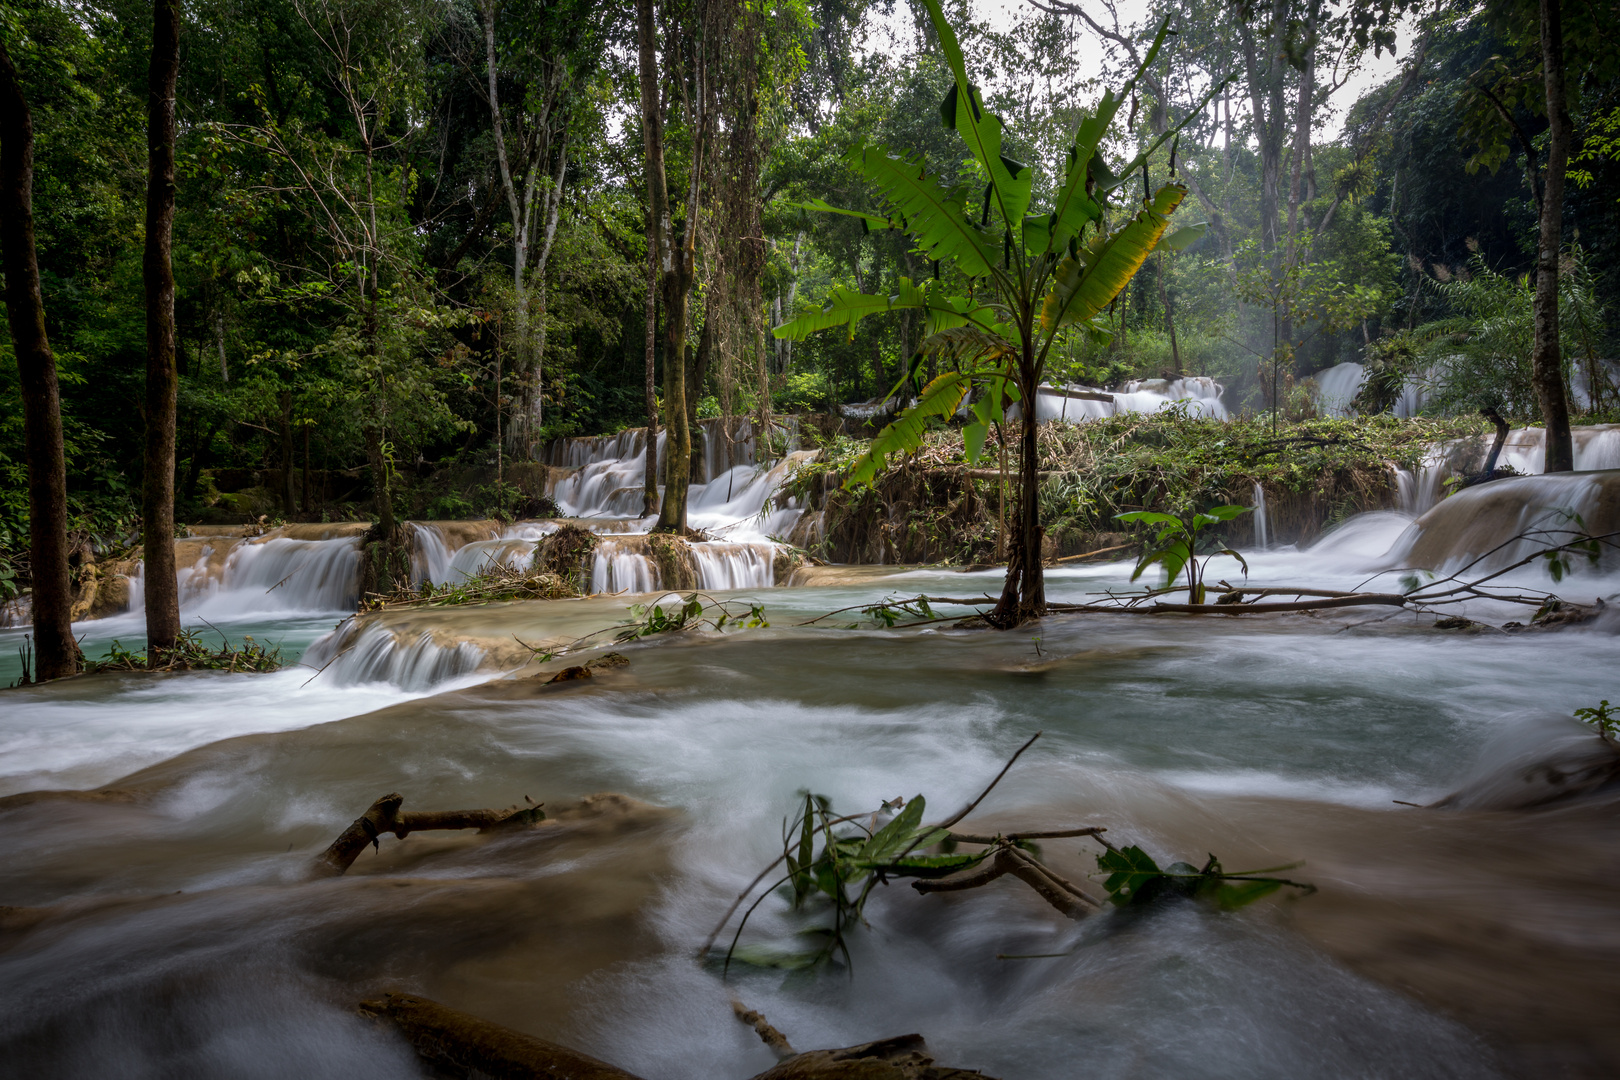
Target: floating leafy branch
x=1135 y=879
x=649 y=619
x=832 y=863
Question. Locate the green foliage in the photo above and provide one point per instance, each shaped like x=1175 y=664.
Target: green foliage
x=192 y=653
x=1479 y=355
x=1603 y=717
x=647 y=620
x=1175 y=546
x=1042 y=263
x=833 y=863
x=1134 y=879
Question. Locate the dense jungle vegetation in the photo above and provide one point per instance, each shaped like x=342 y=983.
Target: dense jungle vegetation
x=413 y=235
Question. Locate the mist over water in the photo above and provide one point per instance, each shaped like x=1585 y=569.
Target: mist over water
x=178 y=934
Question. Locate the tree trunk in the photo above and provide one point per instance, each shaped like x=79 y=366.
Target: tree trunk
x=537 y=379
x=678 y=443
x=697 y=372
x=676 y=262
x=289 y=508
x=649 y=494
x=56 y=653
x=305 y=500
x=380 y=482
x=157 y=497
x=1546 y=362
x=1302 y=150
x=1023 y=594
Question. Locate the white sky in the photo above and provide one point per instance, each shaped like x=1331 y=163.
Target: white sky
x=895 y=32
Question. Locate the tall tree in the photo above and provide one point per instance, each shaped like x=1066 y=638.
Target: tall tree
x=157 y=496
x=676 y=252
x=56 y=653
x=1546 y=361
x=539 y=137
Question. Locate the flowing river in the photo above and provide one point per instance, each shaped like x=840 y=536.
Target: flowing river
x=163 y=924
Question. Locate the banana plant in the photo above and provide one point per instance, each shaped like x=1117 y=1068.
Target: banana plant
x=1030 y=275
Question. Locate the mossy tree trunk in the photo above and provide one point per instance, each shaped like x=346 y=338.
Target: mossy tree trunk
x=56 y=653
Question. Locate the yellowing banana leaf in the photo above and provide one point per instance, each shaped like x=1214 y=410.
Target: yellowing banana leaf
x=1079 y=291
x=942 y=398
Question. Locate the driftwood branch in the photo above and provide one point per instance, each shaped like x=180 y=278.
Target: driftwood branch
x=460 y=1044
x=455 y=1043
x=385 y=816
x=1063 y=894
x=762 y=1027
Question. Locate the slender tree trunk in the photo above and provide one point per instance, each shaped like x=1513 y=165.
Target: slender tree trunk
x=306 y=503
x=697 y=371
x=289 y=508
x=658 y=254
x=56 y=653
x=1023 y=593
x=537 y=382
x=1302 y=150
x=678 y=443
x=1546 y=362
x=675 y=260
x=1169 y=318
x=649 y=495
x=157 y=498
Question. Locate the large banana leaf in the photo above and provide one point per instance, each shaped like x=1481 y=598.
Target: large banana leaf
x=870 y=221
x=964 y=344
x=933 y=216
x=1074 y=207
x=1184 y=237
x=941 y=398
x=846 y=307
x=962 y=109
x=1084 y=285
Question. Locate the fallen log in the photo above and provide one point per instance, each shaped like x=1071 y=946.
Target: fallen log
x=385 y=816
x=905 y=1057
x=461 y=1044
x=1099 y=551
x=1345 y=600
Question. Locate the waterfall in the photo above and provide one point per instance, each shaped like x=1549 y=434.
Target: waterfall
x=739 y=498
x=614 y=568
x=229 y=577
x=735 y=566
x=1198 y=394
x=1482 y=521
x=1337 y=387
x=1262 y=526
x=368 y=652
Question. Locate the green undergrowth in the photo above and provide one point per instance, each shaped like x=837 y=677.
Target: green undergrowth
x=192 y=653
x=1315 y=472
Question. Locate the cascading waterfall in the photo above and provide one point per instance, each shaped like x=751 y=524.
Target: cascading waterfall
x=1262 y=525
x=1198 y=394
x=231 y=577
x=358 y=653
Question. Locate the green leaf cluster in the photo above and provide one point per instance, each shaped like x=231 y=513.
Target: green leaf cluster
x=1175 y=545
x=1135 y=879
